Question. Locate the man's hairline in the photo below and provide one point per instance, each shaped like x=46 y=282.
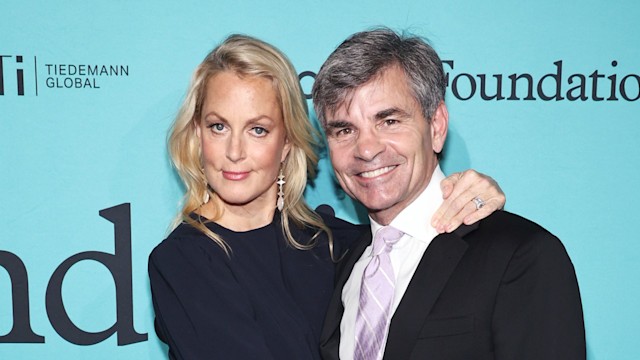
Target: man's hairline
x=348 y=94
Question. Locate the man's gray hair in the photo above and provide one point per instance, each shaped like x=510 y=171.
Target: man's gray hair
x=364 y=55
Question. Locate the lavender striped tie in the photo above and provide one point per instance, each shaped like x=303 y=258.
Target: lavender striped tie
x=376 y=297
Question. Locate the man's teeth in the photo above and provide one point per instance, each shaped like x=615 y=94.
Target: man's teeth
x=377 y=172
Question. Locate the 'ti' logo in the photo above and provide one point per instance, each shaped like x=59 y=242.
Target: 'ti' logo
x=12 y=62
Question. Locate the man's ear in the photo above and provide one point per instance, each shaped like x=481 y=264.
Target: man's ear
x=439 y=127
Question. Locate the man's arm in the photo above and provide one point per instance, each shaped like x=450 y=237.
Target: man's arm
x=538 y=312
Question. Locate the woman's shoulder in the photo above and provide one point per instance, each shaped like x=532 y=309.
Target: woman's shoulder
x=344 y=232
x=187 y=241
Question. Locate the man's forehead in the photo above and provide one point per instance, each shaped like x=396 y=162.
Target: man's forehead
x=384 y=94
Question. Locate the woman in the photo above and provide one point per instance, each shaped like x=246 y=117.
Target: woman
x=248 y=271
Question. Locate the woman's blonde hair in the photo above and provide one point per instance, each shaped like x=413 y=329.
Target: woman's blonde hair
x=247 y=56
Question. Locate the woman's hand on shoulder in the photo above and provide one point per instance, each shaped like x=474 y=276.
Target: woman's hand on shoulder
x=469 y=196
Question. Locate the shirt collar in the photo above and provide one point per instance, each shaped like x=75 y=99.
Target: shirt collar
x=415 y=219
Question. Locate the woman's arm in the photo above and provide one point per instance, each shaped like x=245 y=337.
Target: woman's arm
x=459 y=191
x=201 y=311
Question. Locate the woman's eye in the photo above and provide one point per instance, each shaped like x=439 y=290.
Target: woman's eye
x=260 y=131
x=218 y=127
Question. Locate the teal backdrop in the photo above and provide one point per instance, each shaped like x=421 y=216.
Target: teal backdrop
x=89 y=90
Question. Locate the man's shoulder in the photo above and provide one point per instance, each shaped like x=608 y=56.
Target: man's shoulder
x=515 y=246
x=512 y=231
x=509 y=223
x=503 y=222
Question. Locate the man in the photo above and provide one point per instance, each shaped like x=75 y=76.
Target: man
x=503 y=288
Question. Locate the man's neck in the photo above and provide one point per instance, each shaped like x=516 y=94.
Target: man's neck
x=385 y=217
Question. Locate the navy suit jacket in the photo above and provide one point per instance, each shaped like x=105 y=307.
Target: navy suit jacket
x=503 y=288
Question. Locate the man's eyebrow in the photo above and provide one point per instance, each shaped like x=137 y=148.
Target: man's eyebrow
x=337 y=124
x=394 y=111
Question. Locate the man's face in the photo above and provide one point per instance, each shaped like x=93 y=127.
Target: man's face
x=382 y=148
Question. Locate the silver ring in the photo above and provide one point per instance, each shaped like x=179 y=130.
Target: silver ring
x=479 y=202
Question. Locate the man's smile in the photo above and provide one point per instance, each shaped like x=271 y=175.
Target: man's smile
x=377 y=172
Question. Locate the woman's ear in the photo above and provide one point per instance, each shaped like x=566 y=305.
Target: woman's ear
x=285 y=151
x=197 y=126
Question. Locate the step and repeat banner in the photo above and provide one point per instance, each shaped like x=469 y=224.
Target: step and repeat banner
x=543 y=96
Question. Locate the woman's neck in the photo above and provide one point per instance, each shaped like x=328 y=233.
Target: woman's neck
x=245 y=217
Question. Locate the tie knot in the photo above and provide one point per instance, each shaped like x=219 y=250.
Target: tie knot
x=385 y=238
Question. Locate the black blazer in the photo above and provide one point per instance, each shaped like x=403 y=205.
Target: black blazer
x=503 y=288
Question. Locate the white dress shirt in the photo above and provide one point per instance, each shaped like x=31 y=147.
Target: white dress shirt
x=415 y=222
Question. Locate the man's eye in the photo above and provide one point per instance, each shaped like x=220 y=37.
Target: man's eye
x=343 y=132
x=389 y=122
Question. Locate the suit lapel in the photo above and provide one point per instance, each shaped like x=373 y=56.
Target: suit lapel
x=428 y=281
x=330 y=336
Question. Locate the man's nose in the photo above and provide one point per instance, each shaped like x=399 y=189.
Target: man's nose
x=368 y=145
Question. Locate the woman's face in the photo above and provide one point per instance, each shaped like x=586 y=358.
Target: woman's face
x=243 y=139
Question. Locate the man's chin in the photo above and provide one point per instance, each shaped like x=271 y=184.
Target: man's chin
x=378 y=206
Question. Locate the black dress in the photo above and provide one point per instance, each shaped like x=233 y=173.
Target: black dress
x=267 y=300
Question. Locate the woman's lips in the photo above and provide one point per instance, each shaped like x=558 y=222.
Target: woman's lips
x=234 y=175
